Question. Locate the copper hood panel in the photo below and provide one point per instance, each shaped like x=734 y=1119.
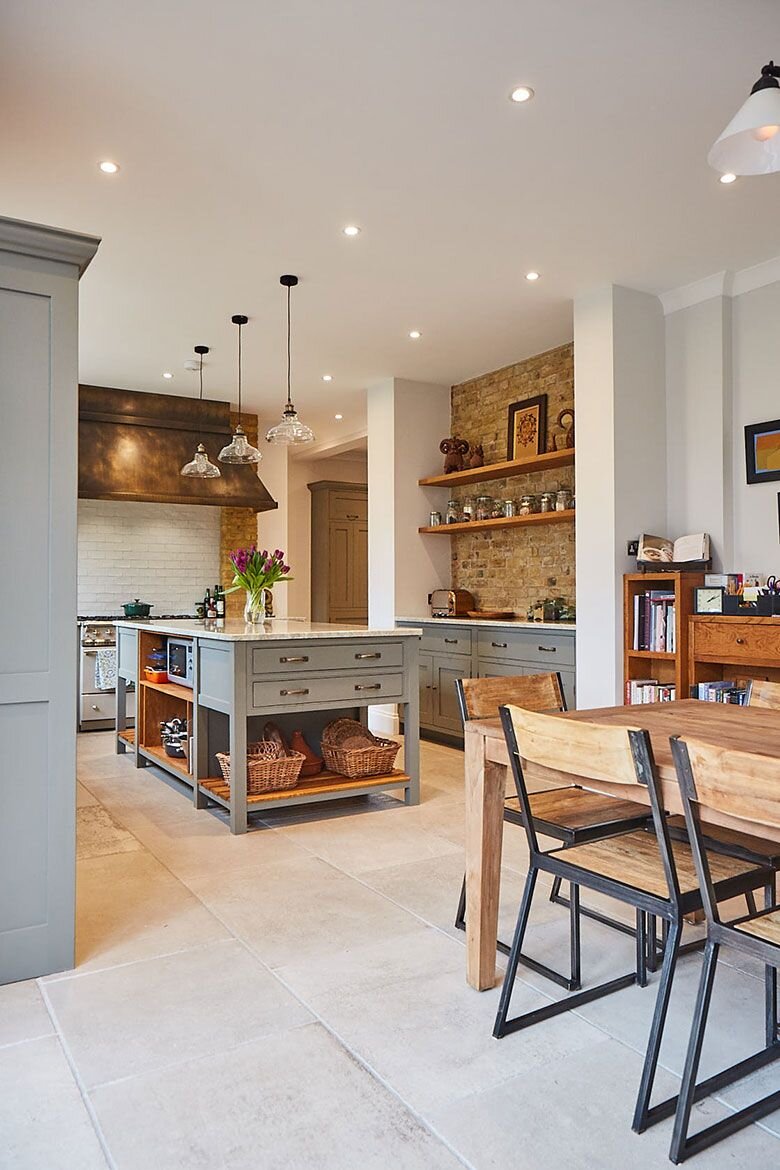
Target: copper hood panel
x=132 y=446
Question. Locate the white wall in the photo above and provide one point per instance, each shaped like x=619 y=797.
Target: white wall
x=166 y=554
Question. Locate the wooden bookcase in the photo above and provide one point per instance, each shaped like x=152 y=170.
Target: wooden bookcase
x=667 y=668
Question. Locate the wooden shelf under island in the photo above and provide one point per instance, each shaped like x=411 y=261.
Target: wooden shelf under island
x=316 y=787
x=506 y=470
x=500 y=522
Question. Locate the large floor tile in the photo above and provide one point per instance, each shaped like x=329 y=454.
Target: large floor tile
x=98 y=834
x=201 y=846
x=44 y=1124
x=131 y=907
x=576 y=1113
x=23 y=1014
x=135 y=1018
x=296 y=1100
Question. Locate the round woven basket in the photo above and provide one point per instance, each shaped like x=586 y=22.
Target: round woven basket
x=353 y=751
x=268 y=769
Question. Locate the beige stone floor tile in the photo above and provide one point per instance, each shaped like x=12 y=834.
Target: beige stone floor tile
x=84 y=797
x=295 y=1100
x=576 y=1113
x=23 y=1014
x=131 y=907
x=145 y=1015
x=98 y=834
x=44 y=1124
x=202 y=845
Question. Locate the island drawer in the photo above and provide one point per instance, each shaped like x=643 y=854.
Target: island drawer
x=547 y=650
x=281 y=693
x=298 y=658
x=453 y=640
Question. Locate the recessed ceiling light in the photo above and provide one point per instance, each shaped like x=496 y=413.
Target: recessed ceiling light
x=338 y=417
x=728 y=177
x=532 y=276
x=414 y=334
x=351 y=230
x=109 y=168
x=523 y=93
x=167 y=374
x=327 y=377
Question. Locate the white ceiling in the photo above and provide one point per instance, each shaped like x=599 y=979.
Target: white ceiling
x=250 y=132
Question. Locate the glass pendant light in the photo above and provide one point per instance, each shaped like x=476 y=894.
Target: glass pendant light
x=200 y=466
x=750 y=144
x=290 y=429
x=239 y=449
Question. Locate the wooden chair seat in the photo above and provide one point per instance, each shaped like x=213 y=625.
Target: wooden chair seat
x=766 y=926
x=732 y=840
x=634 y=860
x=569 y=813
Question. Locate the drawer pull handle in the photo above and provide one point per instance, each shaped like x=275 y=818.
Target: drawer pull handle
x=740 y=641
x=302 y=658
x=368 y=686
x=374 y=654
x=547 y=649
x=95 y=707
x=302 y=691
x=451 y=641
x=499 y=645
x=352 y=516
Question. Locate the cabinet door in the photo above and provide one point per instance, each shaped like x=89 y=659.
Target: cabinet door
x=359 y=566
x=568 y=683
x=502 y=669
x=339 y=593
x=446 y=711
x=426 y=692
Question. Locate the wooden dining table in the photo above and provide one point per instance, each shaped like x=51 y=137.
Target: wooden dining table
x=486 y=769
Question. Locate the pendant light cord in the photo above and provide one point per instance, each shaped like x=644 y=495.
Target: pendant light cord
x=289 y=401
x=239 y=374
x=200 y=396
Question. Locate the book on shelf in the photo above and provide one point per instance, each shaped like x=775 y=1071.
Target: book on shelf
x=649 y=690
x=655 y=626
x=660 y=551
x=720 y=692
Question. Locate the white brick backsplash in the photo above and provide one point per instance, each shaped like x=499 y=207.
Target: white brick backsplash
x=166 y=554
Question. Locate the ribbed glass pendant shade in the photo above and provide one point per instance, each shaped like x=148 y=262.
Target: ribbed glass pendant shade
x=200 y=466
x=290 y=430
x=239 y=449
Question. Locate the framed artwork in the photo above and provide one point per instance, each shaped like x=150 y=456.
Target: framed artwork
x=762 y=451
x=527 y=429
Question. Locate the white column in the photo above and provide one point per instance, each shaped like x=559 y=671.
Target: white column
x=273 y=528
x=621 y=468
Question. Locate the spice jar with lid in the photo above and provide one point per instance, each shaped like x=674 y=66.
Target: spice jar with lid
x=547 y=502
x=453 y=512
x=509 y=508
x=484 y=507
x=562 y=500
x=435 y=519
x=528 y=504
x=498 y=510
x=468 y=510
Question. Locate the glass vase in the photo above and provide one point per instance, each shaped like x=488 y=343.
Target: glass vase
x=259 y=606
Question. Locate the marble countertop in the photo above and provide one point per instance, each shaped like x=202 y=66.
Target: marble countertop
x=514 y=624
x=277 y=629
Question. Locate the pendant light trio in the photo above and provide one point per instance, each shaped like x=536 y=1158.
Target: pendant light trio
x=239 y=450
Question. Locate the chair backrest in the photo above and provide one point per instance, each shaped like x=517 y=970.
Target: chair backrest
x=762 y=693
x=480 y=698
x=745 y=785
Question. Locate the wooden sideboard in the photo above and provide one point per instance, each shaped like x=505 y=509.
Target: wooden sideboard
x=737 y=648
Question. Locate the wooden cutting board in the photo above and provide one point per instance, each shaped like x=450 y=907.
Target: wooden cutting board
x=493 y=615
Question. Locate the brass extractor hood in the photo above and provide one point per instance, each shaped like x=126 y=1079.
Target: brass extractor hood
x=132 y=446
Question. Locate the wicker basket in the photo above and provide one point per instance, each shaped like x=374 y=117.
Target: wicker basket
x=268 y=769
x=351 y=750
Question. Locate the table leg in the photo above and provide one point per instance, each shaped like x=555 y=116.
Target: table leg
x=485 y=788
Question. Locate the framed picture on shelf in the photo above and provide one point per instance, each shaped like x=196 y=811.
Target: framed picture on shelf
x=527 y=428
x=762 y=452
x=708 y=599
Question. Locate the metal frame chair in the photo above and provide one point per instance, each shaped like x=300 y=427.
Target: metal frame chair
x=621 y=756
x=754 y=786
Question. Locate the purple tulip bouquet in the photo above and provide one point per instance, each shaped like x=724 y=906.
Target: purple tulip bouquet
x=257 y=573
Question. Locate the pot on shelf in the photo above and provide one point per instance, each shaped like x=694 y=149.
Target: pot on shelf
x=136 y=609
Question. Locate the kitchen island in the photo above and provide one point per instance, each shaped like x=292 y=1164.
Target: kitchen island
x=297 y=673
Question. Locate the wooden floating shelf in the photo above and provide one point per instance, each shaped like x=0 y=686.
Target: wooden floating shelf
x=174 y=689
x=320 y=785
x=173 y=764
x=501 y=522
x=506 y=470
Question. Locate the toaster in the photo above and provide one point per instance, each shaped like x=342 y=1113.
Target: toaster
x=450 y=602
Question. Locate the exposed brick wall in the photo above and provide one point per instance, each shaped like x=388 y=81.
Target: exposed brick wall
x=513 y=568
x=238 y=528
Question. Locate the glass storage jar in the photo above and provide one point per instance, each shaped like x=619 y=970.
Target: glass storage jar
x=468 y=510
x=562 y=500
x=484 y=508
x=528 y=504
x=547 y=502
x=498 y=510
x=453 y=512
x=434 y=519
x=509 y=508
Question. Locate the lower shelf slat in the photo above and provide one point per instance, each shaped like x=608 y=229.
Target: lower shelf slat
x=317 y=786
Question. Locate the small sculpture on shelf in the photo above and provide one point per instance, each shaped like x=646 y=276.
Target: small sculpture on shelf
x=562 y=438
x=477 y=457
x=454 y=449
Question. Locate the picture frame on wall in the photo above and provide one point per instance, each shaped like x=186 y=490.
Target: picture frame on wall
x=762 y=452
x=527 y=428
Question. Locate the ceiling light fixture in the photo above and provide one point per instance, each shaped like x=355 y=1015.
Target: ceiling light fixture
x=523 y=93
x=351 y=230
x=750 y=144
x=290 y=430
x=415 y=334
x=200 y=466
x=532 y=276
x=108 y=167
x=167 y=375
x=338 y=417
x=729 y=177
x=327 y=377
x=239 y=449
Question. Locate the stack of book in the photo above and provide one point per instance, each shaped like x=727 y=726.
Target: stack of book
x=649 y=690
x=720 y=692
x=654 y=624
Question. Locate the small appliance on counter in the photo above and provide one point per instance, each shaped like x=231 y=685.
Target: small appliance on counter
x=446 y=603
x=180 y=668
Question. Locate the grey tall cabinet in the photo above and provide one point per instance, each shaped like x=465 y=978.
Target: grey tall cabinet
x=39 y=273
x=339 y=551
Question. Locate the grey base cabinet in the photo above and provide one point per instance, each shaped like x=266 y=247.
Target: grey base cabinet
x=450 y=651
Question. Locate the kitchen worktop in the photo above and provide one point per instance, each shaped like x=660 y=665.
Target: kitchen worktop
x=277 y=629
x=514 y=623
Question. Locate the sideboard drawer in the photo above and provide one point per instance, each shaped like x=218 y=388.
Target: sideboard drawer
x=348 y=507
x=282 y=693
x=750 y=640
x=448 y=640
x=549 y=650
x=295 y=657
